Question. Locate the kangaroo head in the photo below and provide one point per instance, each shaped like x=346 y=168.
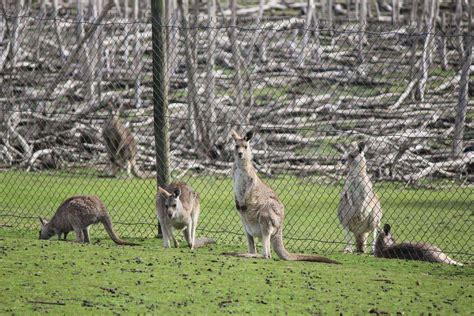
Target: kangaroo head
x=242 y=150
x=384 y=238
x=46 y=231
x=173 y=205
x=356 y=158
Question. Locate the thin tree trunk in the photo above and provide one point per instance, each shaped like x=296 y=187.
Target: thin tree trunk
x=427 y=48
x=57 y=31
x=209 y=113
x=463 y=92
x=363 y=26
x=237 y=61
x=443 y=53
x=137 y=57
x=191 y=71
x=306 y=32
x=458 y=21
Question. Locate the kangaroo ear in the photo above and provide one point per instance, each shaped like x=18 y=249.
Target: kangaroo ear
x=177 y=192
x=42 y=221
x=361 y=147
x=235 y=135
x=164 y=192
x=386 y=229
x=249 y=135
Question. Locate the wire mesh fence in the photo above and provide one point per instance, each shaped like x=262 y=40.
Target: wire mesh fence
x=77 y=118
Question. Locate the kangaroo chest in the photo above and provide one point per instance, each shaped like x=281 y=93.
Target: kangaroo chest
x=241 y=183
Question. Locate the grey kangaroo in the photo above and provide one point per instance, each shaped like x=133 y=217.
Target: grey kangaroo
x=77 y=214
x=178 y=207
x=260 y=209
x=385 y=247
x=121 y=145
x=359 y=208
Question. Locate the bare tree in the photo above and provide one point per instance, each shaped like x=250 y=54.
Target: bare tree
x=463 y=92
x=190 y=70
x=430 y=24
x=209 y=113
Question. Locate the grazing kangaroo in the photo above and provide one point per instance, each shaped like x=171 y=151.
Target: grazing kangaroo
x=359 y=209
x=385 y=247
x=121 y=146
x=77 y=214
x=178 y=207
x=260 y=209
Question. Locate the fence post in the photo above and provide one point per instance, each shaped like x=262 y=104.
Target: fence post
x=463 y=91
x=160 y=95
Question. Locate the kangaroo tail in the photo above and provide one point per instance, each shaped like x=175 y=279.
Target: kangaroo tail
x=277 y=244
x=448 y=260
x=107 y=222
x=203 y=241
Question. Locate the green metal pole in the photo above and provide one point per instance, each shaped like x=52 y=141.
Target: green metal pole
x=160 y=96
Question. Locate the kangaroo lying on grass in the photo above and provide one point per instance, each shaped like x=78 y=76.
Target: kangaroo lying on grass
x=121 y=146
x=385 y=247
x=359 y=209
x=178 y=206
x=77 y=214
x=259 y=207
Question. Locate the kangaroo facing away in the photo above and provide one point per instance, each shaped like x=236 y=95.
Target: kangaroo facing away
x=77 y=214
x=385 y=247
x=359 y=208
x=121 y=146
x=178 y=207
x=260 y=209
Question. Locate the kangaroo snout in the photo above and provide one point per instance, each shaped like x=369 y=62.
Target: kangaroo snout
x=240 y=154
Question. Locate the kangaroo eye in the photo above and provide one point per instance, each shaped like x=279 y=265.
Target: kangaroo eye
x=174 y=205
x=245 y=146
x=236 y=146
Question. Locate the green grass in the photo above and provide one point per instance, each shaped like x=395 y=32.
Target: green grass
x=104 y=278
x=443 y=217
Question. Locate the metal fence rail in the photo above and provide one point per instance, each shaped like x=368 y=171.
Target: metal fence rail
x=309 y=90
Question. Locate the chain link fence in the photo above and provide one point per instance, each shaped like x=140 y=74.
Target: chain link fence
x=72 y=82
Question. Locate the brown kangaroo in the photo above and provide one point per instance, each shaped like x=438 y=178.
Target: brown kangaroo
x=260 y=209
x=178 y=207
x=77 y=214
x=121 y=146
x=385 y=247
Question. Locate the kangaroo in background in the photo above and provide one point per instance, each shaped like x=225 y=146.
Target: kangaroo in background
x=359 y=208
x=121 y=145
x=178 y=207
x=77 y=214
x=385 y=247
x=260 y=209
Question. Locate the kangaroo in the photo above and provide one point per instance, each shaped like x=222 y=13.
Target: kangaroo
x=260 y=209
x=359 y=208
x=385 y=247
x=121 y=146
x=77 y=214
x=178 y=207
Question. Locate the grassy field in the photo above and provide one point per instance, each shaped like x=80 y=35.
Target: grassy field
x=443 y=217
x=64 y=278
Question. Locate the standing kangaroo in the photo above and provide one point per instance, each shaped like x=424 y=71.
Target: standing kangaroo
x=385 y=247
x=359 y=209
x=260 y=209
x=77 y=214
x=121 y=146
x=178 y=206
